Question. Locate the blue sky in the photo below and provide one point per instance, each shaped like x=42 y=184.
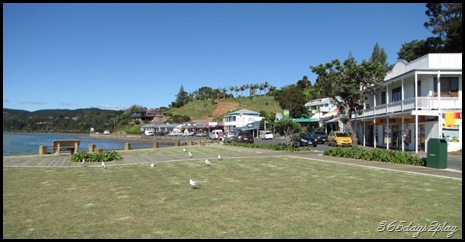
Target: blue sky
x=113 y=56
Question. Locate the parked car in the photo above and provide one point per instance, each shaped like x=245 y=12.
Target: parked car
x=149 y=133
x=243 y=137
x=339 y=138
x=305 y=139
x=201 y=134
x=216 y=134
x=266 y=134
x=175 y=133
x=106 y=132
x=229 y=136
x=321 y=136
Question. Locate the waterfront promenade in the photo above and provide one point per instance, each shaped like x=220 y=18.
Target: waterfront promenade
x=137 y=157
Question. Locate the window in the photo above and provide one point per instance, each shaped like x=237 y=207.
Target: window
x=383 y=98
x=419 y=88
x=449 y=86
x=396 y=94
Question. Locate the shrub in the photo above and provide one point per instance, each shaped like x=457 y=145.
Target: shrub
x=96 y=157
x=392 y=156
x=269 y=146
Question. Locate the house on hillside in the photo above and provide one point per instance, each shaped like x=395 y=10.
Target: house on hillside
x=417 y=101
x=152 y=115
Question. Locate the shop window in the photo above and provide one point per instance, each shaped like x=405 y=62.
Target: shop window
x=449 y=86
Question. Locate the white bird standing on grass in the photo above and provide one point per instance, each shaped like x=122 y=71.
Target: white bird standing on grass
x=219 y=157
x=207 y=162
x=84 y=163
x=152 y=165
x=103 y=165
x=194 y=184
x=190 y=155
x=184 y=149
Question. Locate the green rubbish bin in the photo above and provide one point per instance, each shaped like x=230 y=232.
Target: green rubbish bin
x=437 y=153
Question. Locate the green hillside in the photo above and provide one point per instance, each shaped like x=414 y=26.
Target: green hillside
x=214 y=111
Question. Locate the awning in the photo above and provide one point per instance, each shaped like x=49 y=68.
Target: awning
x=304 y=120
x=334 y=120
x=331 y=114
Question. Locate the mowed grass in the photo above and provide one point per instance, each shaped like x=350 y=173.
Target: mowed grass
x=259 y=197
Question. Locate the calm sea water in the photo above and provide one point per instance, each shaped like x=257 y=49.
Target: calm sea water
x=28 y=143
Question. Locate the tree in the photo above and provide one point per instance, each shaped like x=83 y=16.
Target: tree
x=348 y=83
x=304 y=83
x=418 y=48
x=287 y=127
x=292 y=98
x=181 y=98
x=135 y=109
x=379 y=55
x=445 y=20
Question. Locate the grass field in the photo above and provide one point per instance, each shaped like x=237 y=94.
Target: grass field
x=262 y=197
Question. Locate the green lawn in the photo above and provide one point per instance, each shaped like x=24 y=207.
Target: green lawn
x=263 y=197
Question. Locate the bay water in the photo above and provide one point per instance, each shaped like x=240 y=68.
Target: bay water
x=15 y=143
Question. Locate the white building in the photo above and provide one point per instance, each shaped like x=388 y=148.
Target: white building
x=406 y=111
x=241 y=119
x=321 y=110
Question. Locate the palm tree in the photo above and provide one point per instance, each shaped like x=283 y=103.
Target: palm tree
x=224 y=89
x=231 y=89
x=266 y=85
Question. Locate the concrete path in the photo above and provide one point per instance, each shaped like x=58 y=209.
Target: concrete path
x=64 y=160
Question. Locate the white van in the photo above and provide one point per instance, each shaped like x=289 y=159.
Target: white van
x=266 y=134
x=216 y=134
x=149 y=132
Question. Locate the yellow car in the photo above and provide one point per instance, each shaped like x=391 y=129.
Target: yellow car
x=338 y=138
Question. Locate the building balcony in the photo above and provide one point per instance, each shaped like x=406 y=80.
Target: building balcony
x=423 y=104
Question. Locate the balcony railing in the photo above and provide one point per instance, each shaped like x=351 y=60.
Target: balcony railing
x=423 y=103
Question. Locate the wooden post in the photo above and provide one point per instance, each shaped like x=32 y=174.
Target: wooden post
x=57 y=152
x=176 y=143
x=155 y=145
x=42 y=150
x=127 y=146
x=91 y=148
x=190 y=142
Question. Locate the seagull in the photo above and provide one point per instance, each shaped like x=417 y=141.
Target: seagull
x=152 y=165
x=103 y=165
x=190 y=154
x=219 y=157
x=184 y=149
x=207 y=162
x=194 y=184
x=84 y=163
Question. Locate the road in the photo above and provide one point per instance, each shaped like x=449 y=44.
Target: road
x=454 y=162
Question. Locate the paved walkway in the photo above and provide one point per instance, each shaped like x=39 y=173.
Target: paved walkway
x=64 y=160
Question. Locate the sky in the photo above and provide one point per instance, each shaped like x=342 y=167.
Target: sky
x=116 y=55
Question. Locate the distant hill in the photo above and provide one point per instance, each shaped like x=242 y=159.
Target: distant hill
x=57 y=112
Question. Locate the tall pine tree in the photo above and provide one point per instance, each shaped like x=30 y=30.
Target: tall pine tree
x=182 y=98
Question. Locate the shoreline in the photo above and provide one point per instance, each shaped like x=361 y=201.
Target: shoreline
x=135 y=141
x=151 y=139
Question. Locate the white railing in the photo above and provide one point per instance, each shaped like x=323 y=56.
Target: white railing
x=432 y=103
x=423 y=103
x=380 y=109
